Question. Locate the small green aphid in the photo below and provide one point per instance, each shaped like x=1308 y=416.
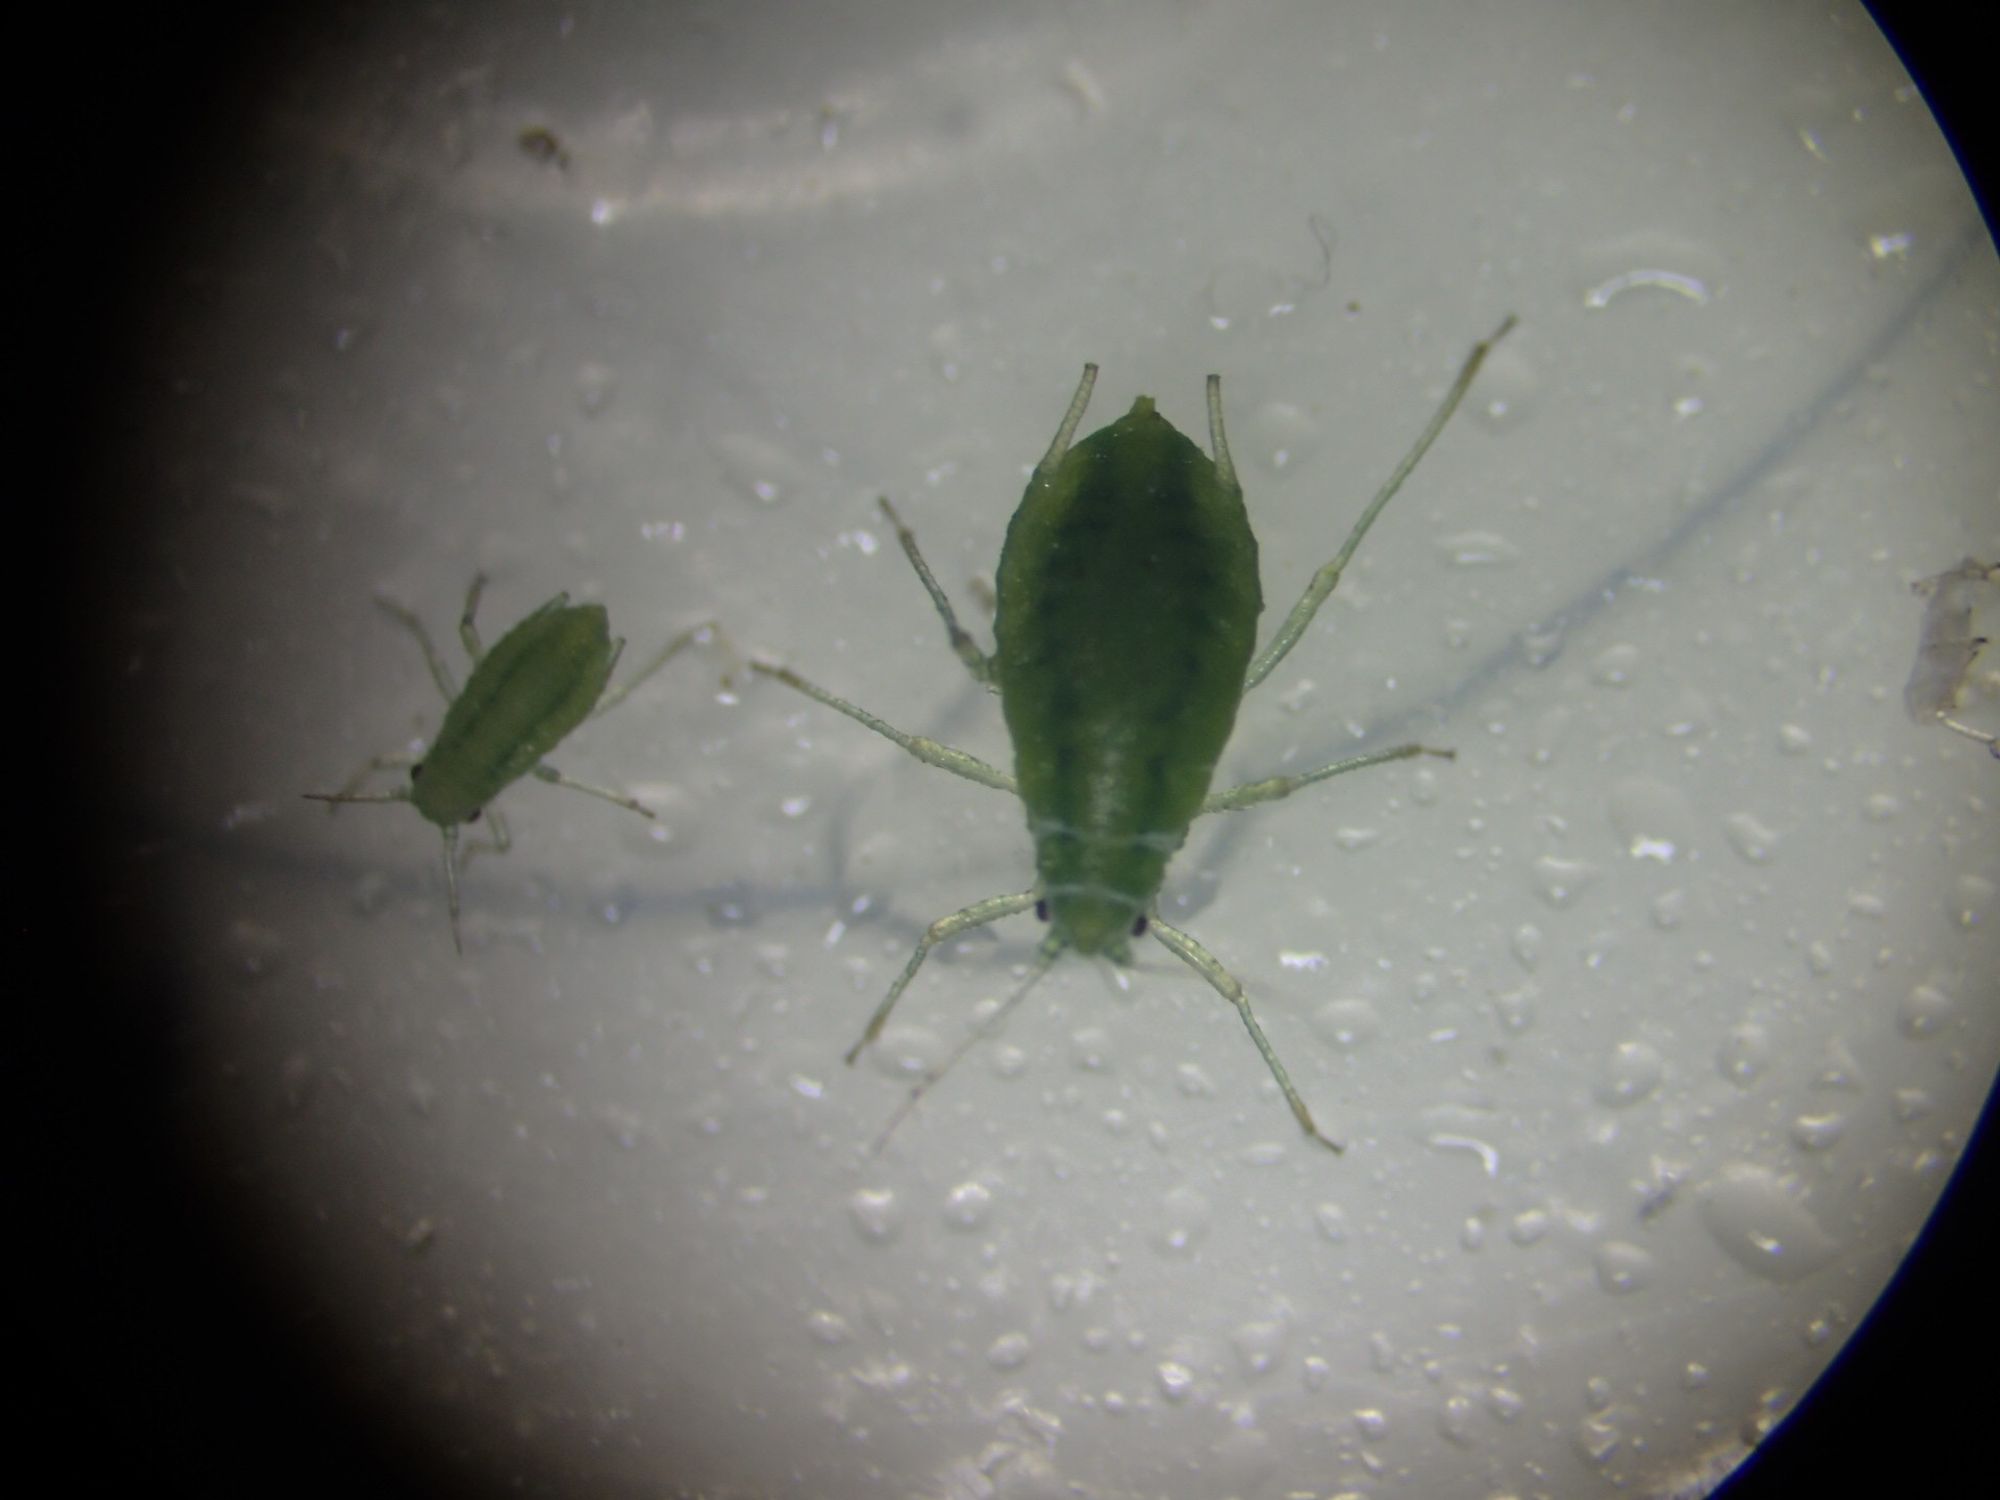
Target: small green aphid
x=1125 y=636
x=544 y=677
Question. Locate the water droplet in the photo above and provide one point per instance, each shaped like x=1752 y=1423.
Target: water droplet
x=596 y=388
x=1527 y=945
x=829 y=1327
x=1542 y=644
x=1371 y=1423
x=1670 y=909
x=1314 y=1372
x=1695 y=1377
x=1614 y=666
x=1346 y=1024
x=1762 y=1226
x=1529 y=1226
x=1090 y=1050
x=1515 y=1009
x=1623 y=1267
x=1505 y=1402
x=1260 y=1346
x=968 y=1205
x=1818 y=1132
x=1632 y=1072
x=1744 y=1054
x=1184 y=1220
x=1924 y=1012
x=1478 y=549
x=1560 y=882
x=1756 y=843
x=1176 y=1380
x=1009 y=1352
x=876 y=1215
x=1792 y=740
x=1332 y=1221
x=1455 y=1419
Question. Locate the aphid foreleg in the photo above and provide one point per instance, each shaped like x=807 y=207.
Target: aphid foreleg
x=943 y=930
x=468 y=632
x=440 y=673
x=977 y=662
x=929 y=751
x=1328 y=578
x=708 y=632
x=1251 y=793
x=1224 y=983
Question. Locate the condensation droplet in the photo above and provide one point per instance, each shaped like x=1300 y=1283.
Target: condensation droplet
x=875 y=1213
x=1176 y=1381
x=1527 y=945
x=1623 y=1267
x=1924 y=1012
x=1184 y=1220
x=1561 y=882
x=1260 y=1346
x=1332 y=1221
x=1762 y=1226
x=1009 y=1352
x=1632 y=1072
x=1615 y=666
x=1756 y=843
x=968 y=1205
x=1744 y=1055
x=1346 y=1024
x=828 y=1327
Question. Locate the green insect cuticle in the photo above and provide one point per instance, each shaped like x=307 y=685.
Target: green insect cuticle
x=548 y=674
x=1129 y=547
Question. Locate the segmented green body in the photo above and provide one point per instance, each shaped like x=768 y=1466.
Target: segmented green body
x=1128 y=604
x=539 y=682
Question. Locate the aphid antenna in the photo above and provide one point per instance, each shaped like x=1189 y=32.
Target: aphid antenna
x=1045 y=957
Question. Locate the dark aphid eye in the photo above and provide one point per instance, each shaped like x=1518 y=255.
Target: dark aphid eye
x=475 y=815
x=1042 y=910
x=1139 y=925
x=416 y=770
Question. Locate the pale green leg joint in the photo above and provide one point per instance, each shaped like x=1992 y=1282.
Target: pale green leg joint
x=1224 y=984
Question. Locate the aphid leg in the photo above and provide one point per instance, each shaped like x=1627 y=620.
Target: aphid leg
x=1224 y=983
x=1067 y=428
x=1328 y=578
x=548 y=773
x=977 y=662
x=498 y=841
x=942 y=930
x=350 y=789
x=929 y=751
x=1251 y=793
x=468 y=632
x=1045 y=958
x=708 y=632
x=451 y=884
x=440 y=673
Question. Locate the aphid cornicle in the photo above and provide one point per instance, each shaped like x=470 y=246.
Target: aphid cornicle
x=1125 y=634
x=543 y=678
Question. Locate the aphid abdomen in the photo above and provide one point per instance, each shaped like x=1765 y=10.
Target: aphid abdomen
x=1128 y=603
x=530 y=690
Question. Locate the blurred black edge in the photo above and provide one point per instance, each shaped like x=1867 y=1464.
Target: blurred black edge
x=147 y=1324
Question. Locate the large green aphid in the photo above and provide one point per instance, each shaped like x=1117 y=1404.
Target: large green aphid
x=1125 y=636
x=542 y=679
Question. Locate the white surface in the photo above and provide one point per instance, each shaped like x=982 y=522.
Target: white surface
x=1652 y=1024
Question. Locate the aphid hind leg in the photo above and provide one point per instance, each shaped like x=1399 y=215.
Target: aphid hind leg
x=1328 y=577
x=943 y=930
x=929 y=751
x=1225 y=984
x=548 y=773
x=350 y=789
x=1272 y=788
x=977 y=662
